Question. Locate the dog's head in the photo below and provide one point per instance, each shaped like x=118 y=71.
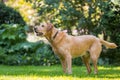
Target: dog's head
x=43 y=29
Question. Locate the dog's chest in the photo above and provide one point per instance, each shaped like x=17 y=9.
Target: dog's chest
x=59 y=51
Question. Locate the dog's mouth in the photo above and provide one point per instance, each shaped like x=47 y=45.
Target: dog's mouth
x=38 y=33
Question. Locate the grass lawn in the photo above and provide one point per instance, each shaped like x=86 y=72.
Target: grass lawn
x=55 y=73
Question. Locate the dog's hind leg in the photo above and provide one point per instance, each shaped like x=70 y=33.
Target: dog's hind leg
x=86 y=60
x=95 y=51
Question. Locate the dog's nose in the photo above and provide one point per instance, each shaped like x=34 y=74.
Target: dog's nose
x=35 y=28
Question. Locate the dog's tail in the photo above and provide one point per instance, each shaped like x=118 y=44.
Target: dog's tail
x=108 y=44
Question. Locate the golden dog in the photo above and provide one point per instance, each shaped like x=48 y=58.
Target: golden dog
x=68 y=47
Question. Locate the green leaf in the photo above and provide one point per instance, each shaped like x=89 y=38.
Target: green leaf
x=12 y=37
x=2 y=50
x=1 y=31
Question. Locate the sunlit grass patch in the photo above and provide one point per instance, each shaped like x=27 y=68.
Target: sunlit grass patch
x=55 y=73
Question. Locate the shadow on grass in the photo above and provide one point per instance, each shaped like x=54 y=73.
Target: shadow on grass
x=80 y=72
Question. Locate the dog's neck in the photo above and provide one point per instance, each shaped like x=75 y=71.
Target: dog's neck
x=55 y=35
x=52 y=35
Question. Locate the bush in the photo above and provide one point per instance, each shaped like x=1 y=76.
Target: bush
x=9 y=15
x=110 y=26
x=15 y=50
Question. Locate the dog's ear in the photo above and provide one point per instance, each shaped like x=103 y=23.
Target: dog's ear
x=50 y=26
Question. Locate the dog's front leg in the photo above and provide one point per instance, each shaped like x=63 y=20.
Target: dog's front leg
x=69 y=64
x=63 y=62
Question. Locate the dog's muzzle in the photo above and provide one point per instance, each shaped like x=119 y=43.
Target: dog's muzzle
x=38 y=33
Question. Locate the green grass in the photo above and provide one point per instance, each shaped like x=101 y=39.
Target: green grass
x=55 y=73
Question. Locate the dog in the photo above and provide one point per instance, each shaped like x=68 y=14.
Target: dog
x=88 y=47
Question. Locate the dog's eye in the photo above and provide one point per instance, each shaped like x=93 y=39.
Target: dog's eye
x=42 y=25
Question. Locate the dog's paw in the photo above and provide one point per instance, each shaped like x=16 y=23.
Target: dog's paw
x=69 y=72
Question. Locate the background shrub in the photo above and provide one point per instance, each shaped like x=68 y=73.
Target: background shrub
x=87 y=17
x=9 y=15
x=110 y=26
x=15 y=50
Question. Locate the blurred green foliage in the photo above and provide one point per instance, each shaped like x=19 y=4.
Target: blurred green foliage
x=87 y=17
x=9 y=15
x=15 y=50
x=110 y=26
x=28 y=13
